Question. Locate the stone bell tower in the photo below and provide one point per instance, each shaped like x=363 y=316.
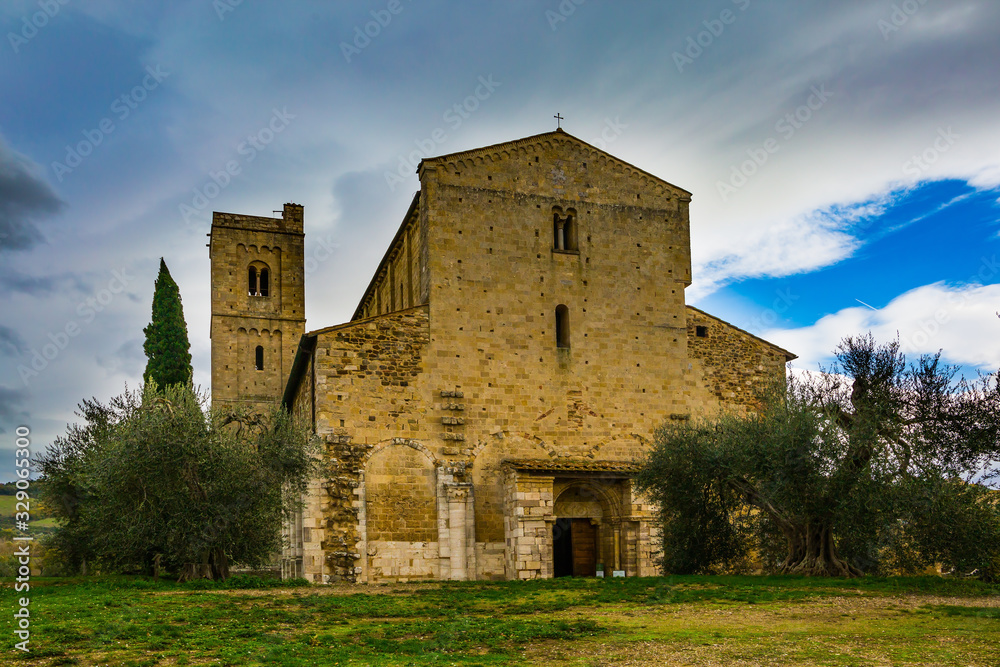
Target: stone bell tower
x=258 y=304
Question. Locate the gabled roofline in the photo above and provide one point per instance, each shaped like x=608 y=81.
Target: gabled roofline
x=388 y=252
x=535 y=139
x=789 y=356
x=307 y=345
x=364 y=320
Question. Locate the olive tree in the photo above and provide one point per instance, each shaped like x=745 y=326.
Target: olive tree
x=153 y=481
x=874 y=464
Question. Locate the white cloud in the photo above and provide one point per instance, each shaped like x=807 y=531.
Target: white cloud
x=799 y=245
x=961 y=321
x=892 y=99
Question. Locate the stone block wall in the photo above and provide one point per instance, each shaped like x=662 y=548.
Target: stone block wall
x=366 y=377
x=452 y=365
x=401 y=496
x=728 y=365
x=380 y=494
x=241 y=321
x=496 y=282
x=528 y=526
x=649 y=545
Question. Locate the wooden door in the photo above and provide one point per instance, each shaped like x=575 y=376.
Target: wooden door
x=584 y=548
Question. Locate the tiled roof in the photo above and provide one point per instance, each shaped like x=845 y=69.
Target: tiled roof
x=572 y=465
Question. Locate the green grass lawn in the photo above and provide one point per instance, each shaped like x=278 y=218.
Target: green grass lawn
x=657 y=621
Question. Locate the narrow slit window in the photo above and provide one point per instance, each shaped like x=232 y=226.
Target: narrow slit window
x=259 y=357
x=562 y=326
x=265 y=286
x=252 y=281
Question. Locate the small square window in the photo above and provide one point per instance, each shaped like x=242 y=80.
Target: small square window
x=701 y=332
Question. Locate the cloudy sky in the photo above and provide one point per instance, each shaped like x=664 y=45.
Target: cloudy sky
x=844 y=157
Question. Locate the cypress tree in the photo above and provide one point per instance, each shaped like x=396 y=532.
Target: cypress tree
x=166 y=345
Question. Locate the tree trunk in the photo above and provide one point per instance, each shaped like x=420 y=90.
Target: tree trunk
x=214 y=565
x=813 y=553
x=220 y=564
x=202 y=570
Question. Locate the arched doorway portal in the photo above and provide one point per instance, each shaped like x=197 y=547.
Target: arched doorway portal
x=585 y=529
x=546 y=501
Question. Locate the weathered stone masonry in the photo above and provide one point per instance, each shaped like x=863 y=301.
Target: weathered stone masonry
x=517 y=346
x=732 y=365
x=242 y=321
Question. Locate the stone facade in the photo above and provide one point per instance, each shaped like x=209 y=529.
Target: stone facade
x=243 y=320
x=728 y=365
x=521 y=339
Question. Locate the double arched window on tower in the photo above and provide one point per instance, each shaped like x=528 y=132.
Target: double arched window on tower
x=258 y=280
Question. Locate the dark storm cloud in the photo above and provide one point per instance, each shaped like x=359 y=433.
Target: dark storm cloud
x=24 y=198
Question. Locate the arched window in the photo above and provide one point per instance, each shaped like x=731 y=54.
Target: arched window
x=570 y=229
x=563 y=229
x=259 y=357
x=562 y=326
x=264 y=280
x=258 y=280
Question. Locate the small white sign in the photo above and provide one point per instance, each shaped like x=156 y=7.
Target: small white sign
x=618 y=573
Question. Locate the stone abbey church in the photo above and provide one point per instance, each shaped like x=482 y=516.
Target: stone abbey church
x=483 y=411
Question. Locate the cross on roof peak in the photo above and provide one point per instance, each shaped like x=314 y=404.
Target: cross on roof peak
x=559 y=119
